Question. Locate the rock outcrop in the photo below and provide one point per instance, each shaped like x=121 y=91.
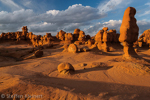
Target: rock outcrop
x=129 y=32
x=144 y=39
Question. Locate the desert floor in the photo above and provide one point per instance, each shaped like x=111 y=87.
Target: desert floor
x=97 y=76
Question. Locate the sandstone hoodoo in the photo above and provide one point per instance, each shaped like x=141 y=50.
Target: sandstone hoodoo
x=76 y=34
x=129 y=32
x=81 y=36
x=68 y=38
x=61 y=35
x=99 y=36
x=65 y=68
x=105 y=40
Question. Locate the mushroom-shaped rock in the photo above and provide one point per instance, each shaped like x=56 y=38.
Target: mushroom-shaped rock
x=129 y=32
x=38 y=53
x=65 y=67
x=72 y=48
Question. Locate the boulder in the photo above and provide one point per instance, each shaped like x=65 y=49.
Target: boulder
x=72 y=48
x=65 y=67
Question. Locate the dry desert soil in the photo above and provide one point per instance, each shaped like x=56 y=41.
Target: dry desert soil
x=98 y=75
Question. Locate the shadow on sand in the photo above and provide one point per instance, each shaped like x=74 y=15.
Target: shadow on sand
x=92 y=87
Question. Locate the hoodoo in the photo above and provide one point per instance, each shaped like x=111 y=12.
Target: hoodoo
x=129 y=32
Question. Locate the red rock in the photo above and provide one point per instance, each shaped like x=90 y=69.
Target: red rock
x=129 y=32
x=72 y=48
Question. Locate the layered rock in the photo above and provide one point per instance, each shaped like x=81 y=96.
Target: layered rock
x=129 y=32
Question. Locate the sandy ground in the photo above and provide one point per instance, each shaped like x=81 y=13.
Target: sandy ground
x=97 y=76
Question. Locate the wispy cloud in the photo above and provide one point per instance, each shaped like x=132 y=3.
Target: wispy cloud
x=148 y=4
x=112 y=5
x=10 y=3
x=145 y=13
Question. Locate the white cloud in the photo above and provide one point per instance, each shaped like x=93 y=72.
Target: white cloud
x=11 y=4
x=112 y=5
x=145 y=13
x=74 y=14
x=53 y=12
x=52 y=20
x=19 y=16
x=148 y=4
x=27 y=3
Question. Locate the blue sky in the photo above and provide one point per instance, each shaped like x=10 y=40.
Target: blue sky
x=43 y=16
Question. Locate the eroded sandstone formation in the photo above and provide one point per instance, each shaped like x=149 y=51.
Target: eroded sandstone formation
x=144 y=39
x=24 y=35
x=99 y=36
x=129 y=32
x=105 y=40
x=61 y=35
x=81 y=36
x=76 y=34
